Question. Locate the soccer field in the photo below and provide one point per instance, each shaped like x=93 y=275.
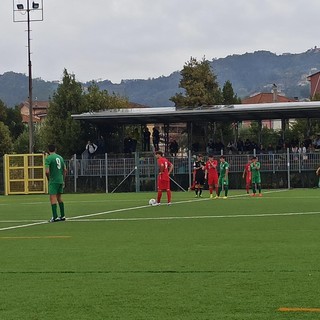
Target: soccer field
x=116 y=257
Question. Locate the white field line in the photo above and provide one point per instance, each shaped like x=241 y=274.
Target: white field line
x=20 y=221
x=200 y=217
x=129 y=209
x=24 y=225
x=148 y=206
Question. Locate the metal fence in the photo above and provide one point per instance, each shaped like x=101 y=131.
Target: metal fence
x=137 y=172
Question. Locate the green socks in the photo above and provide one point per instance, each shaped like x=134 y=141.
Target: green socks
x=54 y=211
x=61 y=206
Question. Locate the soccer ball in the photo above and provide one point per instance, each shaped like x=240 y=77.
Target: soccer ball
x=152 y=202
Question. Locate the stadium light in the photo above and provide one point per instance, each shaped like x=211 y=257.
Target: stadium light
x=24 y=12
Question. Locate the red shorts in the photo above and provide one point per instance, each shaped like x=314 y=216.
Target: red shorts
x=163 y=184
x=212 y=179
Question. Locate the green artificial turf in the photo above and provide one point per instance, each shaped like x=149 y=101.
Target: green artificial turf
x=241 y=258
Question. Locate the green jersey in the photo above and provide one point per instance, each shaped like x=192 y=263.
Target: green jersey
x=255 y=169
x=56 y=166
x=224 y=166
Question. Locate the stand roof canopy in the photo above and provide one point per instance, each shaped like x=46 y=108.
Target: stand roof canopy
x=212 y=113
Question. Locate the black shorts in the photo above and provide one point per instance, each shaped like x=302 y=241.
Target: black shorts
x=199 y=178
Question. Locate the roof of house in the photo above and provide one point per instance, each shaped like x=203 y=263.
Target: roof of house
x=266 y=98
x=36 y=104
x=312 y=75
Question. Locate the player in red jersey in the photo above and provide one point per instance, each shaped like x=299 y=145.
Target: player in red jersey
x=211 y=175
x=165 y=168
x=247 y=175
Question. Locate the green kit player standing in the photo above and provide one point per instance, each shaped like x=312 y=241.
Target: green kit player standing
x=223 y=181
x=55 y=172
x=255 y=176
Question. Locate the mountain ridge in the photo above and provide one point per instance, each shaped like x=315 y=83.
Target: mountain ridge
x=249 y=73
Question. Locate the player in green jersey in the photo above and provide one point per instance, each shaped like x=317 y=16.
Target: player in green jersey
x=318 y=174
x=223 y=181
x=56 y=172
x=255 y=176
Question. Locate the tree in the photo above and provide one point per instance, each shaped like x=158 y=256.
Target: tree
x=96 y=100
x=70 y=136
x=14 y=122
x=59 y=128
x=201 y=88
x=3 y=111
x=228 y=95
x=225 y=131
x=200 y=85
x=21 y=144
x=5 y=139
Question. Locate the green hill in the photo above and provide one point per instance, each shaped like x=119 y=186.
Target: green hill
x=249 y=73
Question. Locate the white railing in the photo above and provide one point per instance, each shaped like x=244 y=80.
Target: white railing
x=144 y=167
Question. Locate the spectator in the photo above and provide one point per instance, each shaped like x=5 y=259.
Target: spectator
x=232 y=147
x=155 y=138
x=91 y=148
x=303 y=152
x=173 y=147
x=127 y=144
x=280 y=146
x=270 y=149
x=247 y=146
x=261 y=149
x=220 y=146
x=316 y=143
x=210 y=147
x=101 y=145
x=135 y=138
x=254 y=146
x=307 y=143
x=146 y=139
x=240 y=146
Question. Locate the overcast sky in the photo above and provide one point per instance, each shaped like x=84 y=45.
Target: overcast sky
x=140 y=39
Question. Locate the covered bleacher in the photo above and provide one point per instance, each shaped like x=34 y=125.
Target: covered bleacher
x=276 y=170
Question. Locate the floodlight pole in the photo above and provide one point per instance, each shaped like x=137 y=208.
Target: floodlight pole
x=31 y=131
x=21 y=9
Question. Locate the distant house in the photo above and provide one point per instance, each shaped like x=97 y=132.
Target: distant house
x=39 y=111
x=314 y=84
x=272 y=97
x=266 y=98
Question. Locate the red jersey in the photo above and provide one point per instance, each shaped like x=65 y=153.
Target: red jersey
x=247 y=168
x=164 y=165
x=211 y=166
x=247 y=171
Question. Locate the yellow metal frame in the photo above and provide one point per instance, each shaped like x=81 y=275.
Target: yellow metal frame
x=25 y=174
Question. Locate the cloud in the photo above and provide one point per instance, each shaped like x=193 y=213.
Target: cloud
x=123 y=39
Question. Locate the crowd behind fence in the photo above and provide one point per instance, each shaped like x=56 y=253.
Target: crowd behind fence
x=142 y=167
